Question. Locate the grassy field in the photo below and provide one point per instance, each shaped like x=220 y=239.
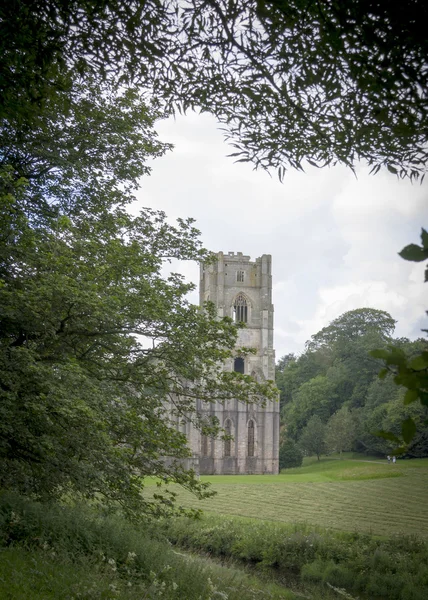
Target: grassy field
x=350 y=495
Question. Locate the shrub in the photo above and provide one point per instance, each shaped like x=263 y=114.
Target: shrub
x=290 y=455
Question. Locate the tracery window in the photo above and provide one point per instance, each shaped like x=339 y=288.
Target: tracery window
x=228 y=443
x=239 y=365
x=250 y=438
x=204 y=445
x=240 y=309
x=240 y=276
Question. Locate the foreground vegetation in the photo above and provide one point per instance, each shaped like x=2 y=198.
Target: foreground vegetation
x=63 y=553
x=388 y=568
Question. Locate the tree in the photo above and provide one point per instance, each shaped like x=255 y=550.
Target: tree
x=99 y=353
x=290 y=455
x=353 y=325
x=340 y=431
x=283 y=378
x=291 y=80
x=312 y=439
x=315 y=397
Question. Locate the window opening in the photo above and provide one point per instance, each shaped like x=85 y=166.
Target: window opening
x=240 y=276
x=204 y=445
x=240 y=309
x=227 y=443
x=239 y=365
x=251 y=438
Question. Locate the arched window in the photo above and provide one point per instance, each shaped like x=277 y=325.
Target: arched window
x=239 y=365
x=240 y=309
x=204 y=445
x=250 y=438
x=228 y=443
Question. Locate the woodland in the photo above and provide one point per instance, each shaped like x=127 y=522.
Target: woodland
x=333 y=400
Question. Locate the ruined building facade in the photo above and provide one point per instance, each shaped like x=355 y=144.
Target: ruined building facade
x=242 y=290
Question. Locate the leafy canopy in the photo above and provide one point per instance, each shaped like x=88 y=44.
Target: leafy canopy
x=291 y=80
x=340 y=368
x=312 y=439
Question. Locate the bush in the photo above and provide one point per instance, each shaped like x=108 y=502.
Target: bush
x=290 y=455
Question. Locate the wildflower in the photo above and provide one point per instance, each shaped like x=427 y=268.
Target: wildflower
x=112 y=564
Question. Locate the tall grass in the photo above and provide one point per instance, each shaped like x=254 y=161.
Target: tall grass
x=395 y=568
x=64 y=553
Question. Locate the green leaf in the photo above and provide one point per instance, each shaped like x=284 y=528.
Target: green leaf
x=380 y=353
x=410 y=396
x=424 y=397
x=408 y=429
x=387 y=435
x=424 y=238
x=414 y=253
x=383 y=373
x=419 y=362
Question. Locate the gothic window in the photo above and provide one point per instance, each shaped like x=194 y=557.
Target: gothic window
x=239 y=365
x=227 y=443
x=240 y=309
x=240 y=276
x=250 y=438
x=204 y=445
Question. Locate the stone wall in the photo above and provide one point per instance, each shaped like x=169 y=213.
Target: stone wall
x=231 y=276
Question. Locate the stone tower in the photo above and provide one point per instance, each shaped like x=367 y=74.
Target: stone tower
x=242 y=290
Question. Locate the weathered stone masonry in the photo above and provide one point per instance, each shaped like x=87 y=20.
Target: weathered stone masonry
x=242 y=290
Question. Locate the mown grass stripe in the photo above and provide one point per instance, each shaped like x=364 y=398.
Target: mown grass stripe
x=377 y=504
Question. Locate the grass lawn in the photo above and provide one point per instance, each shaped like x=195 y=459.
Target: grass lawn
x=365 y=495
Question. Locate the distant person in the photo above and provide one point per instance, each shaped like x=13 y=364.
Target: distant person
x=393 y=460
x=389 y=458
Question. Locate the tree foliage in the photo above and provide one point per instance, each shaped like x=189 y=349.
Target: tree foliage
x=290 y=455
x=352 y=325
x=340 y=431
x=291 y=80
x=101 y=355
x=312 y=439
x=337 y=370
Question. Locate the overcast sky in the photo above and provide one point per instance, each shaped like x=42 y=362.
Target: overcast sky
x=333 y=238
